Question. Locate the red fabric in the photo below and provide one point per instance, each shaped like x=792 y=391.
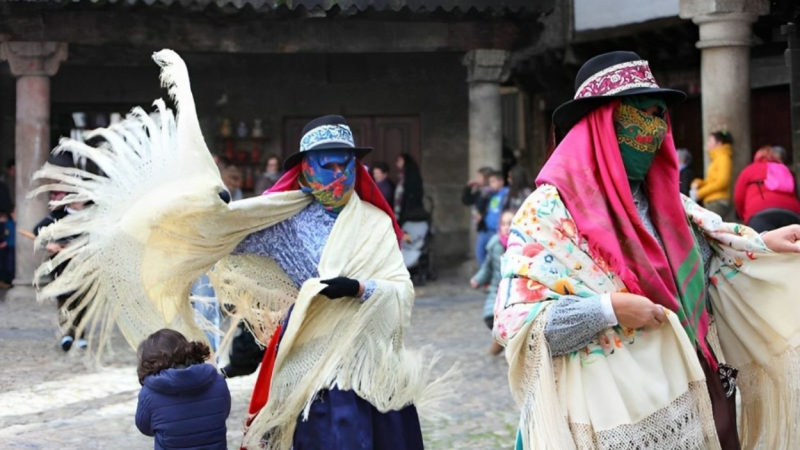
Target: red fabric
x=368 y=191
x=750 y=196
x=588 y=171
x=264 y=380
x=261 y=390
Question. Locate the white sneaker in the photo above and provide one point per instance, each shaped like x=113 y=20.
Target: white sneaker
x=66 y=343
x=82 y=344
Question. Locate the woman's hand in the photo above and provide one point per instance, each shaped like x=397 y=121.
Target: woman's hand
x=473 y=284
x=53 y=248
x=783 y=240
x=342 y=287
x=635 y=311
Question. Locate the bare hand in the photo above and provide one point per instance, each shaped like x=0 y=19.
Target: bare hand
x=53 y=248
x=635 y=311
x=473 y=284
x=783 y=240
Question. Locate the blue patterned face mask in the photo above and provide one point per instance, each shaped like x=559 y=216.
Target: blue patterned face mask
x=331 y=187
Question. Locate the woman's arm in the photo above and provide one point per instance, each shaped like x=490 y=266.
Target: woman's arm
x=573 y=322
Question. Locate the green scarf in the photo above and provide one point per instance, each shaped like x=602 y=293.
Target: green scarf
x=639 y=134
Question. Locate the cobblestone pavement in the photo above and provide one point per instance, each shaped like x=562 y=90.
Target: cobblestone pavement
x=53 y=400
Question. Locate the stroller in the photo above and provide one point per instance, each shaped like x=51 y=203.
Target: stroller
x=417 y=246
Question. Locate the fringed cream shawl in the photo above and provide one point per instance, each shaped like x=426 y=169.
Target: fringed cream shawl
x=157 y=223
x=643 y=388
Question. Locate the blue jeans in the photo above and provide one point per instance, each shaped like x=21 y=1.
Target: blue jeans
x=480 y=245
x=208 y=309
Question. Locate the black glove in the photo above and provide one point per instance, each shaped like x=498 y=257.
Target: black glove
x=341 y=287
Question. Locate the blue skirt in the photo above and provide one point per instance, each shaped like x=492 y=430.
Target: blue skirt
x=341 y=420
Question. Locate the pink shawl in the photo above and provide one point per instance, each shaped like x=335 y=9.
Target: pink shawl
x=588 y=171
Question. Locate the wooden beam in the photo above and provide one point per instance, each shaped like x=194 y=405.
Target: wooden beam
x=196 y=32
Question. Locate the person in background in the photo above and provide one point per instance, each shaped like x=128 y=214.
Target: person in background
x=686 y=171
x=519 y=188
x=7 y=181
x=715 y=190
x=65 y=307
x=10 y=178
x=221 y=162
x=765 y=196
x=7 y=248
x=780 y=153
x=205 y=303
x=489 y=274
x=245 y=353
x=268 y=178
x=509 y=159
x=476 y=194
x=494 y=207
x=232 y=177
x=380 y=173
x=183 y=402
x=408 y=193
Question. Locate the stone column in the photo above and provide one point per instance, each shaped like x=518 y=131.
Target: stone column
x=33 y=63
x=725 y=40
x=486 y=70
x=793 y=61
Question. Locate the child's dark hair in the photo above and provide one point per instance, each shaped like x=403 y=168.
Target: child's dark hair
x=166 y=349
x=723 y=137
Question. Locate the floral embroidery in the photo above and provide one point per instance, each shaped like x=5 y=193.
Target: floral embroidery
x=618 y=78
x=327 y=134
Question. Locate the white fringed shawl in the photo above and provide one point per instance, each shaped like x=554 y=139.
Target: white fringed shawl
x=755 y=298
x=157 y=223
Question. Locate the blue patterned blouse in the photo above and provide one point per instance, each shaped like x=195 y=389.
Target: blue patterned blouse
x=296 y=244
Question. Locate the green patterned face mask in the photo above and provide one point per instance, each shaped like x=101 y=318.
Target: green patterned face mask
x=639 y=134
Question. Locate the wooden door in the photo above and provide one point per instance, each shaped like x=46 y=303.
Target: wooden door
x=393 y=137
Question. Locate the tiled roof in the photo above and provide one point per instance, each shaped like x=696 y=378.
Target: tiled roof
x=462 y=6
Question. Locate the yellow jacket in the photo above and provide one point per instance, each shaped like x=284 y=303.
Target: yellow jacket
x=717 y=185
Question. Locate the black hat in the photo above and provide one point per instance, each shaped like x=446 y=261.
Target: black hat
x=606 y=77
x=326 y=133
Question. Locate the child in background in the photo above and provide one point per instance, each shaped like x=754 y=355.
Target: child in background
x=477 y=194
x=183 y=402
x=498 y=194
x=489 y=273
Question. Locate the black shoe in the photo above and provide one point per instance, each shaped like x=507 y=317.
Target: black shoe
x=66 y=343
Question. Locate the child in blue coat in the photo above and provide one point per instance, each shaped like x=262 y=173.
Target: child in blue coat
x=489 y=275
x=183 y=402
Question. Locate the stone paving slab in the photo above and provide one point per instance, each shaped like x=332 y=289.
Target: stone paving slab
x=51 y=400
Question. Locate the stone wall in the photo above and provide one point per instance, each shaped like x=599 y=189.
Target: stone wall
x=275 y=87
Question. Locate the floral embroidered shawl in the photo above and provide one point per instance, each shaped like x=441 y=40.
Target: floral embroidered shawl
x=588 y=171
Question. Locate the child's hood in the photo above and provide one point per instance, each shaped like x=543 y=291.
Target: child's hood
x=174 y=381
